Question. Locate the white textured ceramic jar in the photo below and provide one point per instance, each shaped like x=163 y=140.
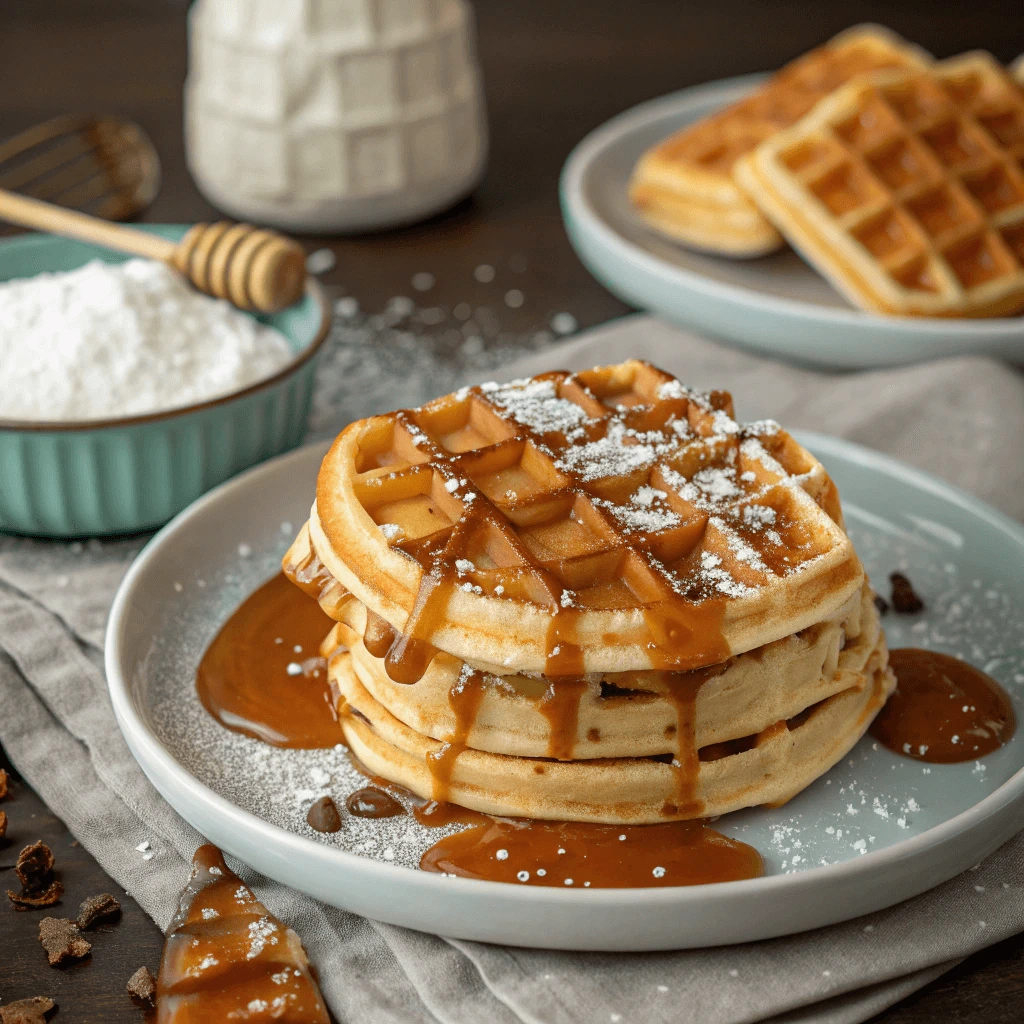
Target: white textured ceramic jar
x=333 y=115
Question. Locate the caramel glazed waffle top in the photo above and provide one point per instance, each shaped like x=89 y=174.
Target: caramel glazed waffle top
x=684 y=186
x=603 y=521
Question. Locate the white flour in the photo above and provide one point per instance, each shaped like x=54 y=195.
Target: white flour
x=106 y=341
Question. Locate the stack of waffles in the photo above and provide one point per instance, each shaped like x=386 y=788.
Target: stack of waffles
x=899 y=178
x=590 y=596
x=685 y=186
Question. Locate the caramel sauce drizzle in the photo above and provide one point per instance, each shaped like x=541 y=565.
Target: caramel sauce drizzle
x=439 y=813
x=371 y=802
x=227 y=957
x=564 y=668
x=315 y=580
x=943 y=710
x=464 y=699
x=681 y=690
x=244 y=682
x=379 y=636
x=584 y=855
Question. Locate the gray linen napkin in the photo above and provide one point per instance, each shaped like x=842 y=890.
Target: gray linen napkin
x=962 y=419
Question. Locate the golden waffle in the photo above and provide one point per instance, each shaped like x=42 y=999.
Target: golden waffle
x=907 y=190
x=768 y=768
x=626 y=714
x=684 y=187
x=603 y=521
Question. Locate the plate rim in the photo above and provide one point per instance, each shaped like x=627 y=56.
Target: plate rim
x=578 y=209
x=152 y=756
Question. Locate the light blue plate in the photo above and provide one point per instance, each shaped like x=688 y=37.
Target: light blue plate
x=876 y=829
x=125 y=475
x=776 y=304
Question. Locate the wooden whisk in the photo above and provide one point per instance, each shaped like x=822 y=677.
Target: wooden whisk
x=251 y=267
x=102 y=164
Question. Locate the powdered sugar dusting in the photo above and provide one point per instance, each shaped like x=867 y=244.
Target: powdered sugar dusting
x=607 y=456
x=535 y=404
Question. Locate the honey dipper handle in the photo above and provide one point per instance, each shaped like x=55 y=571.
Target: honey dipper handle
x=56 y=220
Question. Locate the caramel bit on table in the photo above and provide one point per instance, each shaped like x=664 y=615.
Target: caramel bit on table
x=142 y=986
x=5 y=785
x=25 y=900
x=62 y=940
x=34 y=867
x=3 y=824
x=323 y=815
x=904 y=598
x=39 y=888
x=27 y=1011
x=97 y=908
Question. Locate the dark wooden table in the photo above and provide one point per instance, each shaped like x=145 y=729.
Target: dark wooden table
x=554 y=69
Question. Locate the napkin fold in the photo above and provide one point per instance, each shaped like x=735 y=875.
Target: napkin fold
x=961 y=419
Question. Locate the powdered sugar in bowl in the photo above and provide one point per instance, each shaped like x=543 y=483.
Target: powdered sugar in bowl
x=124 y=419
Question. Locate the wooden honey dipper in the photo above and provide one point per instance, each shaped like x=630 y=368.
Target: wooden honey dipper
x=251 y=267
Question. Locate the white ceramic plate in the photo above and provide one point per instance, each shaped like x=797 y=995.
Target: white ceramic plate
x=875 y=830
x=776 y=304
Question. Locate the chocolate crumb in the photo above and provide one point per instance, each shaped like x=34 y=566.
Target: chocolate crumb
x=97 y=908
x=33 y=901
x=3 y=824
x=26 y=1011
x=62 y=940
x=5 y=784
x=904 y=599
x=881 y=604
x=323 y=816
x=142 y=986
x=35 y=867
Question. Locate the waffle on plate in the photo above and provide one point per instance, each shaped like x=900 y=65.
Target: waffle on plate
x=684 y=186
x=907 y=190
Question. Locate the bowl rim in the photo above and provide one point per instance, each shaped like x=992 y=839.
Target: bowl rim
x=312 y=289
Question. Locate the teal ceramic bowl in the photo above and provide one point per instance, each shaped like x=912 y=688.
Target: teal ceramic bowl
x=97 y=477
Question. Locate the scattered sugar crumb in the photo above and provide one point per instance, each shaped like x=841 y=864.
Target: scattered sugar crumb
x=320 y=261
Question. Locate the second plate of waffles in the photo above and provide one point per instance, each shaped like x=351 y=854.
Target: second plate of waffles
x=624 y=179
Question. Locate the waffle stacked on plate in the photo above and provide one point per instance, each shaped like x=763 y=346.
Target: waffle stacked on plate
x=590 y=596
x=907 y=190
x=684 y=186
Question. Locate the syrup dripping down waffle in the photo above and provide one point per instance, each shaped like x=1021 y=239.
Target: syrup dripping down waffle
x=767 y=768
x=624 y=714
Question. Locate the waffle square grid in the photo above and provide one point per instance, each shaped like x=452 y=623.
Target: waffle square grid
x=908 y=190
x=614 y=503
x=685 y=187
